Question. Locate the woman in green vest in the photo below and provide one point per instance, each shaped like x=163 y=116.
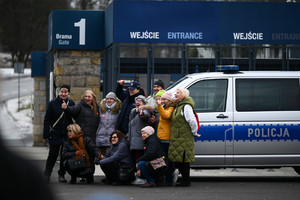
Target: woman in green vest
x=183 y=129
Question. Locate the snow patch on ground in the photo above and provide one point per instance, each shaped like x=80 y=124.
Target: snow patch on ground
x=23 y=118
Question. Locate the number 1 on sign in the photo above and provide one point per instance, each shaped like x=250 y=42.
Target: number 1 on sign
x=81 y=25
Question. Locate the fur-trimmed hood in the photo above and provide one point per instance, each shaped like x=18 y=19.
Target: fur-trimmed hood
x=115 y=109
x=170 y=104
x=147 y=107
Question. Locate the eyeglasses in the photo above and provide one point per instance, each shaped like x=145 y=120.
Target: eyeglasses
x=139 y=100
x=114 y=137
x=69 y=130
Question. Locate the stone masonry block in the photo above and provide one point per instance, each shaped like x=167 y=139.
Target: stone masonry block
x=93 y=81
x=42 y=85
x=78 y=81
x=58 y=70
x=76 y=53
x=96 y=61
x=60 y=80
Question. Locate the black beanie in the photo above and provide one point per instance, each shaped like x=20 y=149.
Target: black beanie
x=66 y=86
x=160 y=83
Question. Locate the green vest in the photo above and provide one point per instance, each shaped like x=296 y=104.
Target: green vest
x=182 y=141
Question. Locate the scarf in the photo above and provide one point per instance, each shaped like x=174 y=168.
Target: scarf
x=77 y=141
x=111 y=106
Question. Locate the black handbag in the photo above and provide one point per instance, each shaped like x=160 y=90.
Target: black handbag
x=126 y=174
x=75 y=164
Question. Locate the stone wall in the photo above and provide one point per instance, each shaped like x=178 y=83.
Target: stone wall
x=79 y=69
x=39 y=107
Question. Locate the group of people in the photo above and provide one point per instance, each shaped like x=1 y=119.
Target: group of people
x=135 y=139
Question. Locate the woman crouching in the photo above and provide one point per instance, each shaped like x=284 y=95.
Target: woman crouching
x=83 y=150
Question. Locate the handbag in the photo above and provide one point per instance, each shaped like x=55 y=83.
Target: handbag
x=126 y=174
x=75 y=164
x=158 y=163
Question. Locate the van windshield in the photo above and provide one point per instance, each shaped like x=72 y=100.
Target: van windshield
x=177 y=82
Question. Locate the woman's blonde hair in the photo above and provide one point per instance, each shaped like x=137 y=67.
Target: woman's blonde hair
x=95 y=105
x=75 y=128
x=185 y=93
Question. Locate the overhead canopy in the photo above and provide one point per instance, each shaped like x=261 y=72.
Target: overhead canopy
x=206 y=22
x=176 y=22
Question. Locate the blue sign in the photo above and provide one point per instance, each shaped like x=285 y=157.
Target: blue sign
x=76 y=30
x=205 y=22
x=39 y=63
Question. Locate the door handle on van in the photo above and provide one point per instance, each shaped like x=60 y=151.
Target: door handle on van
x=222 y=116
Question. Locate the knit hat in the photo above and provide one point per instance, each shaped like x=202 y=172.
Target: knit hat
x=142 y=97
x=66 y=87
x=111 y=95
x=160 y=83
x=167 y=95
x=134 y=85
x=159 y=93
x=148 y=129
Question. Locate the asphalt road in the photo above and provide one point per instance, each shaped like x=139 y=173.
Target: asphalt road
x=9 y=89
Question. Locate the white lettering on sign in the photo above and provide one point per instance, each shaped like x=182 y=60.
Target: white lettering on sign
x=268 y=132
x=81 y=25
x=285 y=36
x=248 y=36
x=185 y=35
x=63 y=42
x=60 y=36
x=144 y=35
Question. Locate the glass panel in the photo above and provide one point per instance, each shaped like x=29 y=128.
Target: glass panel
x=267 y=94
x=209 y=95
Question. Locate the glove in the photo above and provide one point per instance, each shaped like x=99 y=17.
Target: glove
x=79 y=154
x=97 y=161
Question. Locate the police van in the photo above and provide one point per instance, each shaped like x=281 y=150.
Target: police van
x=247 y=118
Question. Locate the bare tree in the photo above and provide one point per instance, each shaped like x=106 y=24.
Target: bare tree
x=24 y=26
x=90 y=4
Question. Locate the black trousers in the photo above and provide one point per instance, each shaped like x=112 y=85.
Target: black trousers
x=87 y=172
x=111 y=171
x=54 y=152
x=184 y=169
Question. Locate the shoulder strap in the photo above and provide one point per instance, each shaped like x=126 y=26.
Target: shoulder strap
x=61 y=115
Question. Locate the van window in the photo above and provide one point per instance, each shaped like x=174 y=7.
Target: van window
x=209 y=95
x=267 y=94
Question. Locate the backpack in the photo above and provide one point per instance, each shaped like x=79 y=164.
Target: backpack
x=196 y=116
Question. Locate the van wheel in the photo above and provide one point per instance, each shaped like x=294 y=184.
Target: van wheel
x=297 y=169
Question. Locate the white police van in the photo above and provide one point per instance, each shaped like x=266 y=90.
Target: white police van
x=247 y=118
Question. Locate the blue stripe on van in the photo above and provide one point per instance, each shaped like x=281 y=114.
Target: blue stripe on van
x=214 y=133
x=252 y=132
x=268 y=132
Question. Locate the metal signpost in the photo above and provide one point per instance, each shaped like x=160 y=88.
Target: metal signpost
x=19 y=69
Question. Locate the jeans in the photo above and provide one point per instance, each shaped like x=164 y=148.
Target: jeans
x=144 y=171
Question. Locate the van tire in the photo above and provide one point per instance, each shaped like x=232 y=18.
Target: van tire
x=297 y=169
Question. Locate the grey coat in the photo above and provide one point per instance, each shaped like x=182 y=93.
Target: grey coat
x=136 y=123
x=108 y=119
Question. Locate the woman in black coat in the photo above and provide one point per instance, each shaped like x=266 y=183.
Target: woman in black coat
x=86 y=114
x=118 y=158
x=82 y=148
x=58 y=121
x=153 y=150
